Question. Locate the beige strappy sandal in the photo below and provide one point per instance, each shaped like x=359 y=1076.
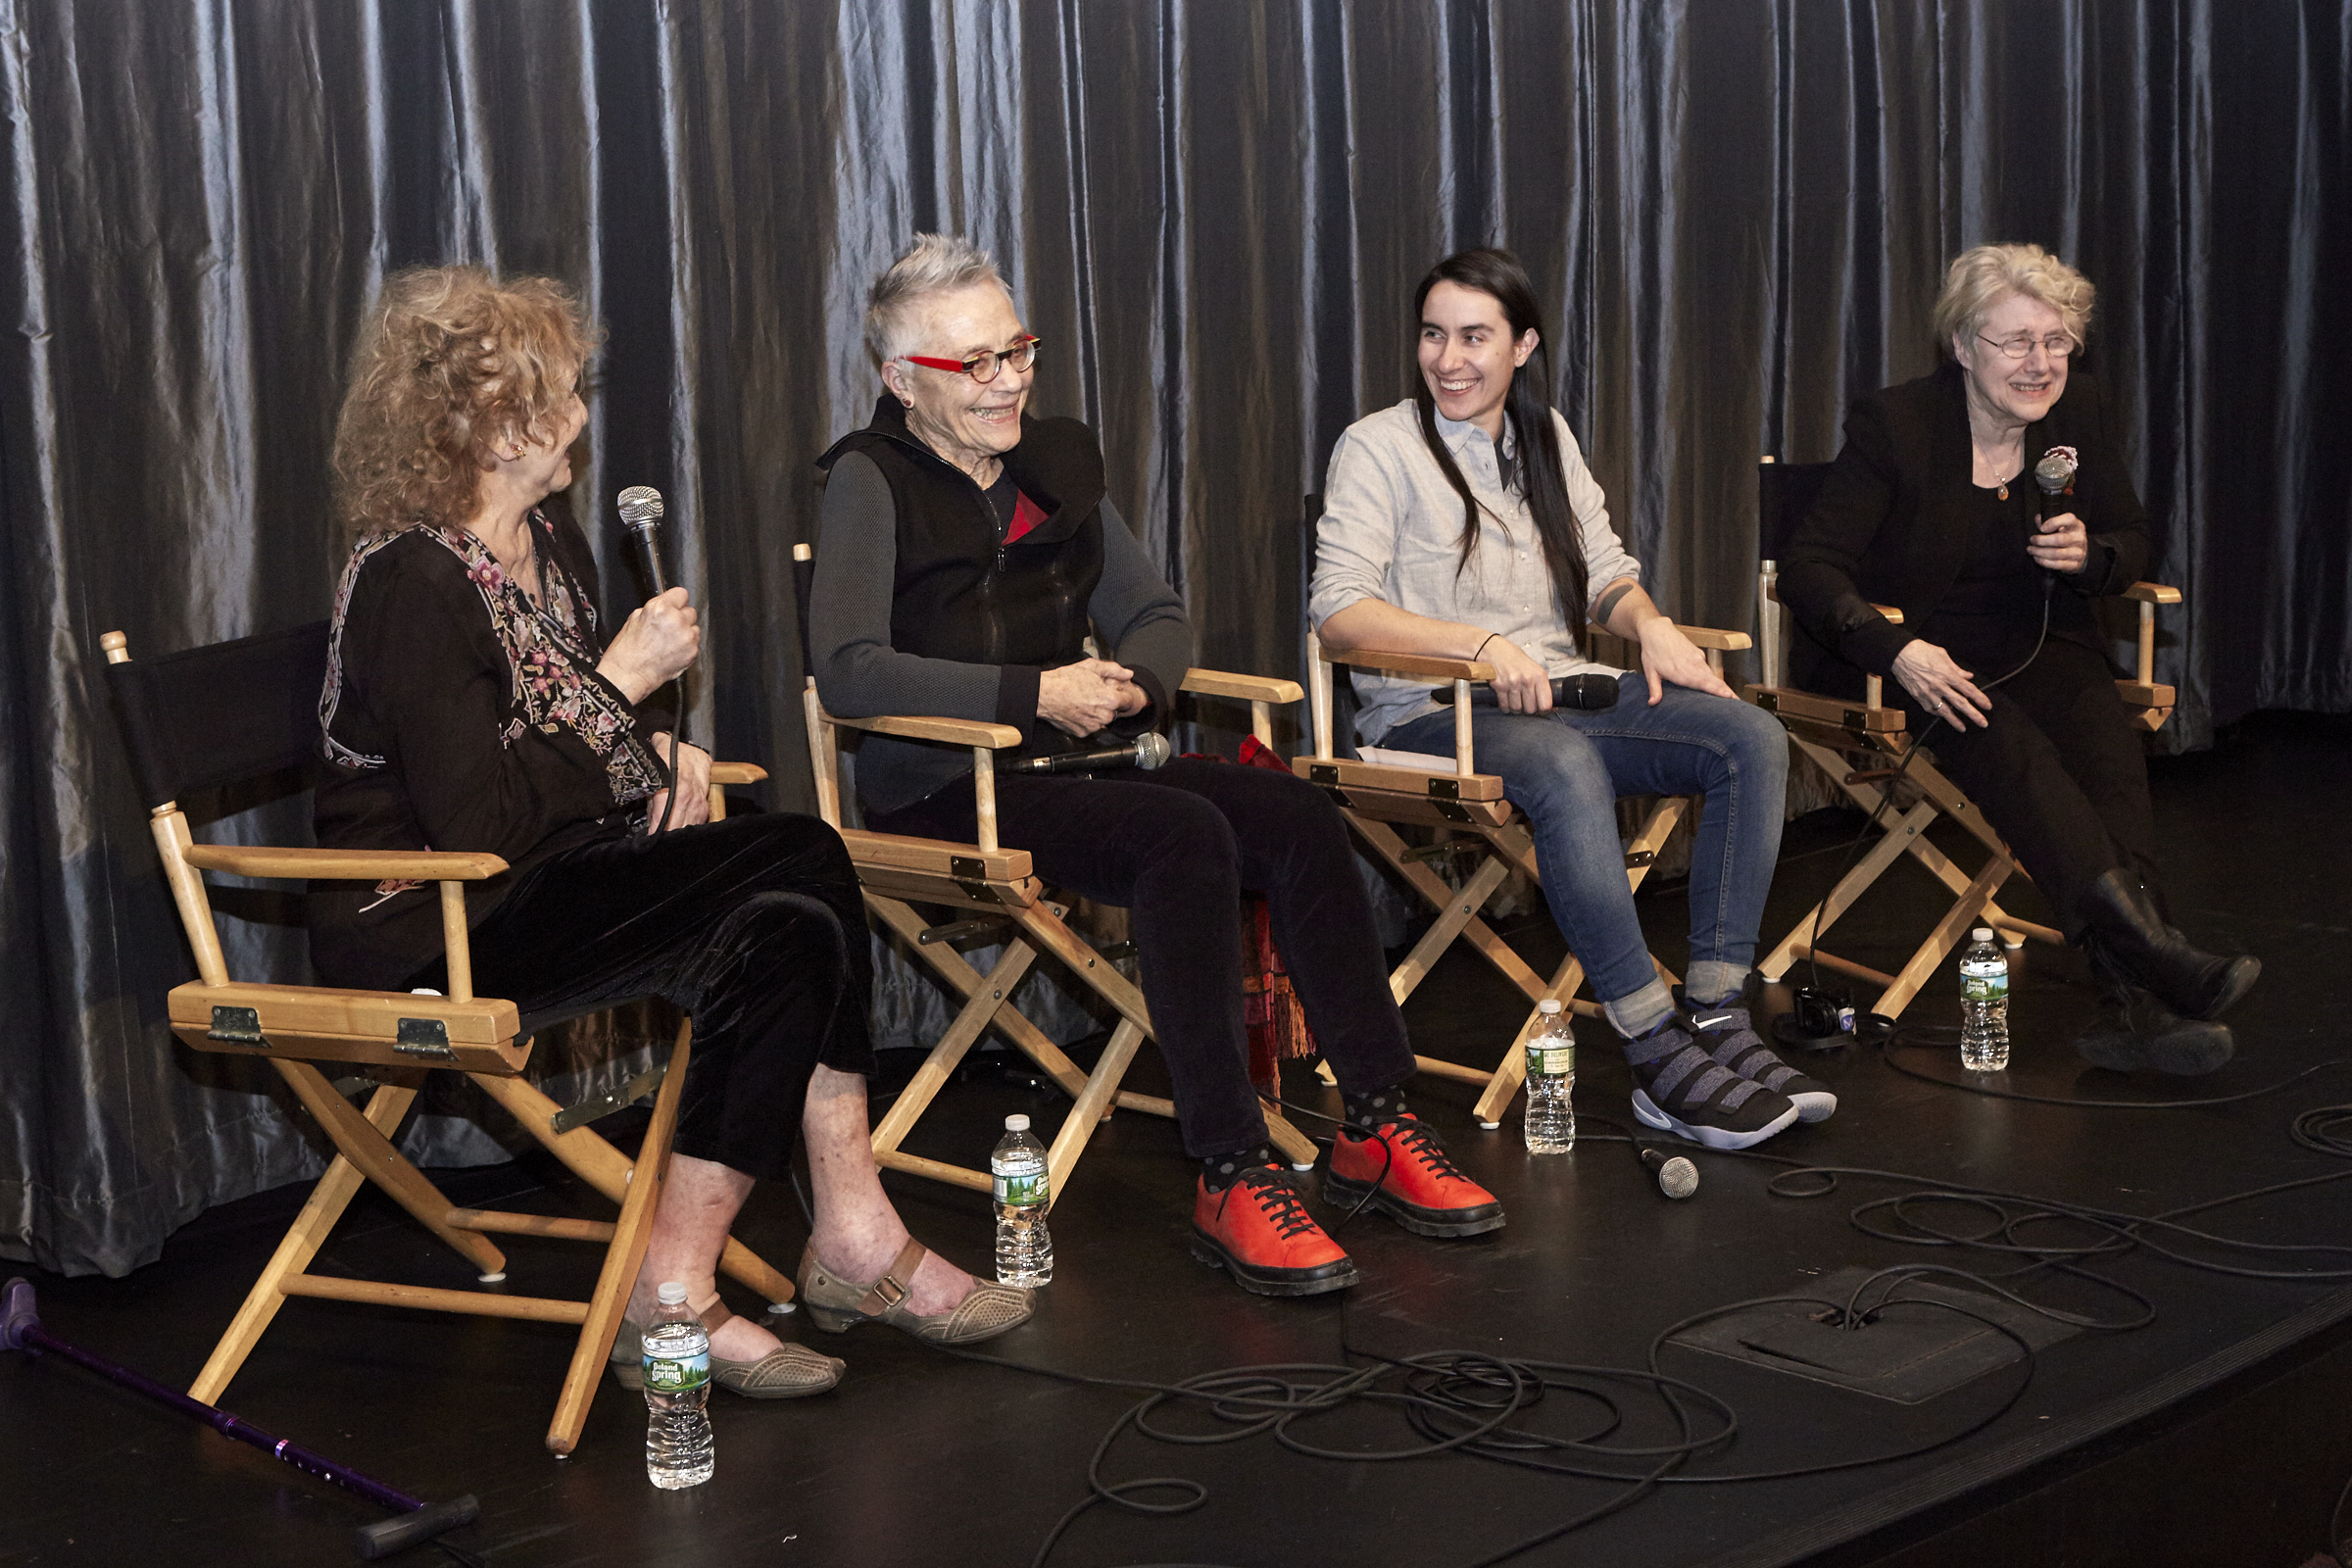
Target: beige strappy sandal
x=836 y=1305
x=787 y=1372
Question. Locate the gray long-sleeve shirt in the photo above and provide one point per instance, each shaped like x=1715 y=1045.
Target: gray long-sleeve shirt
x=1392 y=530
x=1138 y=620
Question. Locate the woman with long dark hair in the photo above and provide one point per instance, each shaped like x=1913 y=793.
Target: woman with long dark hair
x=1463 y=522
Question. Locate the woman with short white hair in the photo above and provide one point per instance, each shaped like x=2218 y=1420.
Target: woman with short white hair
x=1932 y=507
x=968 y=552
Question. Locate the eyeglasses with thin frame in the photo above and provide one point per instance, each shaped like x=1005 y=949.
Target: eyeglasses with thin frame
x=2058 y=345
x=983 y=366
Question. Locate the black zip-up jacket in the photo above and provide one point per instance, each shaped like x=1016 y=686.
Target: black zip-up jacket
x=920 y=606
x=1883 y=531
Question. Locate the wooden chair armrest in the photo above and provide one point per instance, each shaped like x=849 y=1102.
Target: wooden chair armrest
x=737 y=772
x=1712 y=637
x=956 y=731
x=1772 y=591
x=1248 y=688
x=2152 y=593
x=1411 y=663
x=346 y=865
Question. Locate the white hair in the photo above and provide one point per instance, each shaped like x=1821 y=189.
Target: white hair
x=935 y=264
x=1979 y=280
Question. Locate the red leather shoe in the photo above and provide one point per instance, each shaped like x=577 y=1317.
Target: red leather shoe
x=1404 y=1167
x=1258 y=1230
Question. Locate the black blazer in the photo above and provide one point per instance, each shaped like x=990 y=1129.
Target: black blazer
x=1885 y=529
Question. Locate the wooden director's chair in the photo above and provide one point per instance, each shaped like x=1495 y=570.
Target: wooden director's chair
x=1384 y=790
x=999 y=895
x=1864 y=749
x=248 y=710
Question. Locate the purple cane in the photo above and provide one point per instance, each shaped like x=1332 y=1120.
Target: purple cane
x=417 y=1521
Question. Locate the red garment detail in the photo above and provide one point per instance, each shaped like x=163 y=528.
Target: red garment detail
x=1278 y=1030
x=1026 y=514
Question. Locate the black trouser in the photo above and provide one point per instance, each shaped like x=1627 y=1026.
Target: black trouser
x=1176 y=846
x=2059 y=774
x=754 y=926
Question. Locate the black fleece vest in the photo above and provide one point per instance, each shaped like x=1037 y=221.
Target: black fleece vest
x=960 y=592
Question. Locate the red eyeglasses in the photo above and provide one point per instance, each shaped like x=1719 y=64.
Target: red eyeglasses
x=983 y=366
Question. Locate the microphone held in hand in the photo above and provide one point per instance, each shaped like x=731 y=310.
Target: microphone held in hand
x=2054 y=477
x=1145 y=751
x=1677 y=1176
x=1590 y=694
x=641 y=515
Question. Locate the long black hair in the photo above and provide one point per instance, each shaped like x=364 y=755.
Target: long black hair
x=1542 y=476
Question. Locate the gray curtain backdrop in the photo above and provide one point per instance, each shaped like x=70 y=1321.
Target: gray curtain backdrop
x=1212 y=211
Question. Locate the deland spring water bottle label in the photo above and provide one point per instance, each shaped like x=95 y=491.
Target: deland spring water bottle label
x=680 y=1374
x=1551 y=1060
x=1983 y=982
x=1019 y=1192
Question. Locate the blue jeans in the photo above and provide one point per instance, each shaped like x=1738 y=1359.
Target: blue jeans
x=1566 y=768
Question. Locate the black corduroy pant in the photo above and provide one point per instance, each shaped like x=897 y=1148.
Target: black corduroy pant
x=754 y=926
x=2059 y=772
x=1176 y=846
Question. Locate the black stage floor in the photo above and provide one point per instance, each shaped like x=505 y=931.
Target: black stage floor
x=2214 y=1435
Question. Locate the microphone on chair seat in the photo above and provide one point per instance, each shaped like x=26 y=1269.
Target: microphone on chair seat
x=641 y=515
x=1145 y=751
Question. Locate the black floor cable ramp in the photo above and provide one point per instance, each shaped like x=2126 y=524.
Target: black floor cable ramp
x=1907 y=1335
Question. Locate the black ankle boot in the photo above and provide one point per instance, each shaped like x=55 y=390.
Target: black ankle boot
x=2132 y=947
x=2147 y=1036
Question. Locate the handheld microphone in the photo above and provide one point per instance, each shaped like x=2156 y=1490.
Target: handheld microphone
x=2054 y=476
x=1677 y=1176
x=641 y=515
x=1145 y=751
x=1589 y=694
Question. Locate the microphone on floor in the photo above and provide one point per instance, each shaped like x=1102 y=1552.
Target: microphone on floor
x=1145 y=751
x=1675 y=1176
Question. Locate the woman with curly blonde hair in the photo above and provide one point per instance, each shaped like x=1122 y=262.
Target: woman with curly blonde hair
x=1932 y=508
x=473 y=702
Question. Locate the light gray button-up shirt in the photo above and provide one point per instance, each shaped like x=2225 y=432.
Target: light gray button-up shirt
x=1392 y=530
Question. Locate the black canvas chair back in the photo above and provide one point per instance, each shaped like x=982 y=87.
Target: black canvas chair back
x=213 y=715
x=1785 y=493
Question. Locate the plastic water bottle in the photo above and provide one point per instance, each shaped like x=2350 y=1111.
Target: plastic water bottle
x=1551 y=1121
x=678 y=1451
x=1983 y=1004
x=1023 y=1188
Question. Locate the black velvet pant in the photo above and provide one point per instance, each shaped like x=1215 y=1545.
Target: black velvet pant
x=1176 y=846
x=754 y=926
x=2059 y=772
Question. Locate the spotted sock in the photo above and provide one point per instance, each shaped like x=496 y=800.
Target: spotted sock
x=1368 y=1111
x=1219 y=1171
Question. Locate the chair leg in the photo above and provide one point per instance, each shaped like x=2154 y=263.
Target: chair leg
x=986 y=998
x=1457 y=915
x=966 y=981
x=369 y=1148
x=303 y=1239
x=1929 y=958
x=1807 y=932
x=631 y=1234
x=1079 y=1125
x=1511 y=1071
x=607 y=1169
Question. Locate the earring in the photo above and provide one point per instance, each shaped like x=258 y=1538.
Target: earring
x=907 y=402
